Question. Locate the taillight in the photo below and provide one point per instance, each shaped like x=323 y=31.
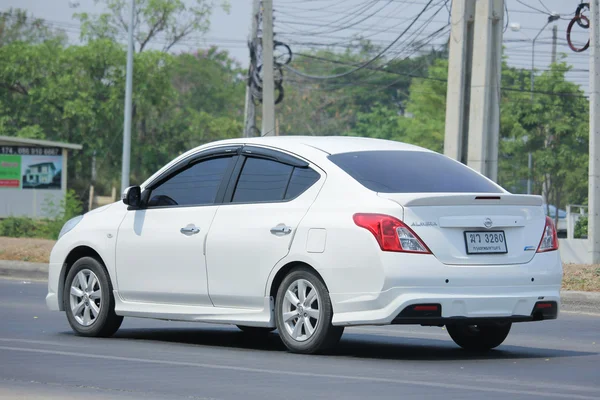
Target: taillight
x=391 y=233
x=549 y=240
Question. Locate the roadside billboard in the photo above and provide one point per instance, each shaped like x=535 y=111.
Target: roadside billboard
x=30 y=167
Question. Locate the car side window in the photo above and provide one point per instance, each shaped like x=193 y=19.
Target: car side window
x=195 y=185
x=302 y=179
x=262 y=180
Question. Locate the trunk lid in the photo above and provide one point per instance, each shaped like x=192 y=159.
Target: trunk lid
x=491 y=223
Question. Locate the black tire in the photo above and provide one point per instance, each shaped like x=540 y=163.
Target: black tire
x=255 y=330
x=482 y=337
x=106 y=323
x=325 y=335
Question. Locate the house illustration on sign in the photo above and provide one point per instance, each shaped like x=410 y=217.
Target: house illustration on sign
x=38 y=174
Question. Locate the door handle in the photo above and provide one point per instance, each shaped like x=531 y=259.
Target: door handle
x=281 y=229
x=189 y=230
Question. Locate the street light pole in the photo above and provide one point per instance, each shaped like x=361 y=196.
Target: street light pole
x=128 y=95
x=551 y=19
x=517 y=27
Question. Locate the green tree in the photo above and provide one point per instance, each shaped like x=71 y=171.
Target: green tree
x=17 y=25
x=333 y=106
x=163 y=22
x=426 y=108
x=75 y=94
x=381 y=122
x=554 y=128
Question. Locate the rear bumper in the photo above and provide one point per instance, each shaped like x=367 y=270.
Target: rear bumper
x=398 y=280
x=542 y=310
x=509 y=304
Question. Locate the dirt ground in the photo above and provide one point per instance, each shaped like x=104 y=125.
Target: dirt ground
x=25 y=249
x=581 y=277
x=576 y=276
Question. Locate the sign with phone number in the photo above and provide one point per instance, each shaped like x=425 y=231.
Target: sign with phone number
x=30 y=151
x=24 y=167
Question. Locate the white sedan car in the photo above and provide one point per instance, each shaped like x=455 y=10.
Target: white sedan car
x=308 y=235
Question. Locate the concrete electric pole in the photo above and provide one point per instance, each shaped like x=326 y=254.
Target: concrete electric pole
x=250 y=109
x=594 y=145
x=268 y=114
x=473 y=98
x=484 y=113
x=459 y=80
x=128 y=93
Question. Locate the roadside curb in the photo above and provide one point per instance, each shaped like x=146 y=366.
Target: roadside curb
x=23 y=270
x=574 y=301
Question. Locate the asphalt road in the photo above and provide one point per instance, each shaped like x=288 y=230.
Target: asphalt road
x=41 y=358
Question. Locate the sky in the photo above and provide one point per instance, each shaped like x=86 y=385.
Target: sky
x=312 y=23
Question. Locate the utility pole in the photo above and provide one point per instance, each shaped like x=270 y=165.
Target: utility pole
x=268 y=114
x=484 y=113
x=554 y=39
x=594 y=145
x=128 y=92
x=459 y=80
x=552 y=62
x=250 y=109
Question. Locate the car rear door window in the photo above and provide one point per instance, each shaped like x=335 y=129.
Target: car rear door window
x=262 y=180
x=394 y=171
x=196 y=185
x=302 y=179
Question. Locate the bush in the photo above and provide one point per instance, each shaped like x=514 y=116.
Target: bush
x=581 y=228
x=46 y=228
x=18 y=227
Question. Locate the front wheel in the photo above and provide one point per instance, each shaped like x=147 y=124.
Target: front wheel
x=88 y=299
x=482 y=337
x=303 y=313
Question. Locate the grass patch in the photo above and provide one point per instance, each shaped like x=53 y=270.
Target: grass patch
x=582 y=277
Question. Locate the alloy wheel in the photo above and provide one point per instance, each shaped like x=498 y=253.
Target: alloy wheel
x=300 y=310
x=85 y=297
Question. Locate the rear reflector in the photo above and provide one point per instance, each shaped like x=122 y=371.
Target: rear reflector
x=539 y=306
x=419 y=311
x=426 y=308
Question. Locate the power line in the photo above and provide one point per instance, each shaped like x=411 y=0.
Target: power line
x=366 y=64
x=572 y=94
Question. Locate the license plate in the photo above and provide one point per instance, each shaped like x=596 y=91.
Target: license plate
x=486 y=242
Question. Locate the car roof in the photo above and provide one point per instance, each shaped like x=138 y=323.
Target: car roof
x=329 y=144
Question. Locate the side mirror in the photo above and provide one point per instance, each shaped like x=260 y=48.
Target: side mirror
x=132 y=196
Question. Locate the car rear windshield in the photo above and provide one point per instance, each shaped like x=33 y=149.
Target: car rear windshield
x=411 y=172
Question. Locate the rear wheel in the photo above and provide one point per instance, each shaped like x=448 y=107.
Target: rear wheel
x=303 y=313
x=88 y=299
x=481 y=337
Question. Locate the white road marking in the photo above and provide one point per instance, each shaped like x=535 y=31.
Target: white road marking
x=312 y=375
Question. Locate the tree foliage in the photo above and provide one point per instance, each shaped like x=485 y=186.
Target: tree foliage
x=75 y=94
x=17 y=25
x=163 y=22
